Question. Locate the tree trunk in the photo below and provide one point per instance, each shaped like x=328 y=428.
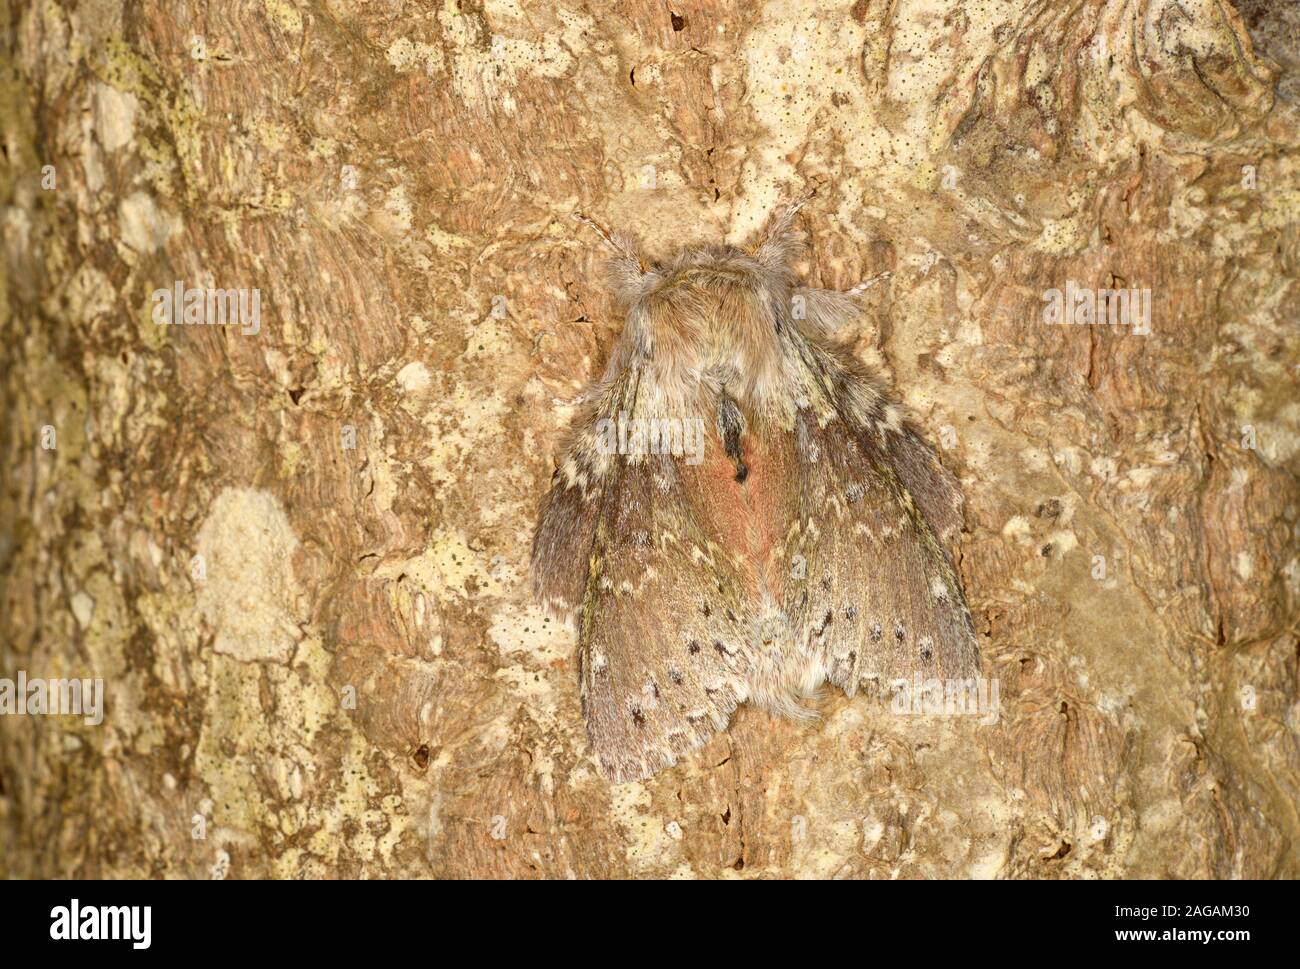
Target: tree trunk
x=295 y=548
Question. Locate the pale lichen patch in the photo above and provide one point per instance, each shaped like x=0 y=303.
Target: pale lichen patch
x=143 y=226
x=248 y=593
x=115 y=116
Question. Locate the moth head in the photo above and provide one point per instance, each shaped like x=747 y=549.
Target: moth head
x=712 y=309
x=631 y=276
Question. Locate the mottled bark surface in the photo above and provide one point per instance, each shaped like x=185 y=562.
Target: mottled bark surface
x=298 y=558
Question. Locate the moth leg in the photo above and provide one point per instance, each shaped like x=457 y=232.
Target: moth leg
x=625 y=268
x=825 y=314
x=782 y=240
x=829 y=313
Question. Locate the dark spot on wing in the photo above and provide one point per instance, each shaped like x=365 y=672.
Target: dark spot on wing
x=826 y=621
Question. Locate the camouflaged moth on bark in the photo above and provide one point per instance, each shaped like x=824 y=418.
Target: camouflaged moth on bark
x=742 y=511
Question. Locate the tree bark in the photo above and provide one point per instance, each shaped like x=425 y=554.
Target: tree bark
x=297 y=557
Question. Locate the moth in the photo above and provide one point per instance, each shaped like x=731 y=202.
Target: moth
x=742 y=511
